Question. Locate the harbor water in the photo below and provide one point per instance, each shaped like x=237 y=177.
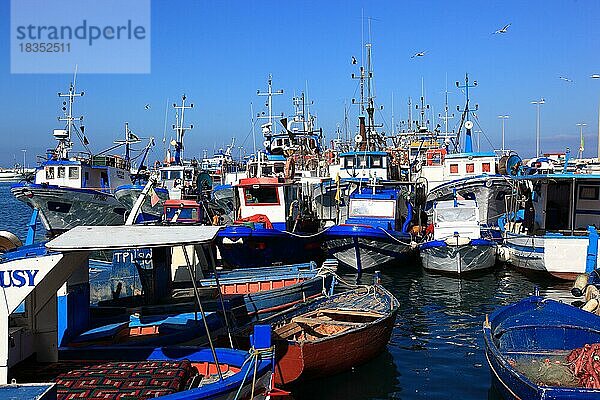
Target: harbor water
x=436 y=350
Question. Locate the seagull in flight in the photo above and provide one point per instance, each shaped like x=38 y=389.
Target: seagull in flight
x=419 y=54
x=503 y=30
x=354 y=60
x=147 y=107
x=564 y=78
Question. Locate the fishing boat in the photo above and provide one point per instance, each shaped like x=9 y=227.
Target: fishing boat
x=76 y=189
x=457 y=245
x=551 y=223
x=308 y=338
x=271 y=227
x=35 y=274
x=376 y=231
x=535 y=350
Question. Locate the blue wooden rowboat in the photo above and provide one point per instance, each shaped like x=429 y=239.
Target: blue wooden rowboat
x=536 y=329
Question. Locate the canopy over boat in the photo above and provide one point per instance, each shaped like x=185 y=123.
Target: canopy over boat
x=92 y=238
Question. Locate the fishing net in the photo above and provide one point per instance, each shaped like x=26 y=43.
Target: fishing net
x=580 y=368
x=546 y=371
x=585 y=364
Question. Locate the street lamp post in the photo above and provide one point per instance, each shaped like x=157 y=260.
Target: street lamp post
x=538 y=103
x=503 y=118
x=597 y=76
x=580 y=125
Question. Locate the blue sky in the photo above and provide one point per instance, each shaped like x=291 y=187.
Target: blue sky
x=220 y=53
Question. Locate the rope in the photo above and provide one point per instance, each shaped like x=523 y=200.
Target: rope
x=255 y=354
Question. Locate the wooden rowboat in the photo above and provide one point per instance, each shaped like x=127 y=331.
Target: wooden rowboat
x=327 y=336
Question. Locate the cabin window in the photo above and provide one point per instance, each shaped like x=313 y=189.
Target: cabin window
x=261 y=195
x=188 y=175
x=349 y=162
x=376 y=162
x=175 y=174
x=362 y=161
x=73 y=173
x=49 y=172
x=61 y=172
x=589 y=192
x=164 y=175
x=470 y=168
x=279 y=168
x=485 y=167
x=372 y=208
x=454 y=168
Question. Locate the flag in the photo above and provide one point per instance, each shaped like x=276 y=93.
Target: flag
x=581 y=145
x=154 y=199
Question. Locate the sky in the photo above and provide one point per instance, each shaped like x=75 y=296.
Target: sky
x=220 y=53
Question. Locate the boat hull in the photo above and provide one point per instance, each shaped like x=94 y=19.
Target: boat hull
x=65 y=208
x=563 y=257
x=302 y=361
x=440 y=257
x=242 y=246
x=364 y=248
x=128 y=195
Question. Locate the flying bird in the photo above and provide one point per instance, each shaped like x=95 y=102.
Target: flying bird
x=147 y=107
x=564 y=78
x=419 y=54
x=503 y=30
x=354 y=60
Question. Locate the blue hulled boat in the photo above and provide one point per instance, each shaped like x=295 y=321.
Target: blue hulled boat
x=527 y=344
x=376 y=231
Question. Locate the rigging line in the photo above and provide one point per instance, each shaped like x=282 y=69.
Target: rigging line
x=476 y=118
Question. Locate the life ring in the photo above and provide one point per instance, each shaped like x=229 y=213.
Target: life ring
x=178 y=181
x=290 y=168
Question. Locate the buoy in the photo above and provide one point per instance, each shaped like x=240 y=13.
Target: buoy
x=590 y=306
x=579 y=285
x=9 y=241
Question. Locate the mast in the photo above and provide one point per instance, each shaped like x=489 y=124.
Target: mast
x=465 y=120
x=180 y=128
x=65 y=144
x=268 y=127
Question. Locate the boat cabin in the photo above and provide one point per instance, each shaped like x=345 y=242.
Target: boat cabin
x=440 y=167
x=183 y=211
x=272 y=197
x=271 y=165
x=378 y=207
x=177 y=178
x=364 y=165
x=456 y=218
x=103 y=173
x=563 y=203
